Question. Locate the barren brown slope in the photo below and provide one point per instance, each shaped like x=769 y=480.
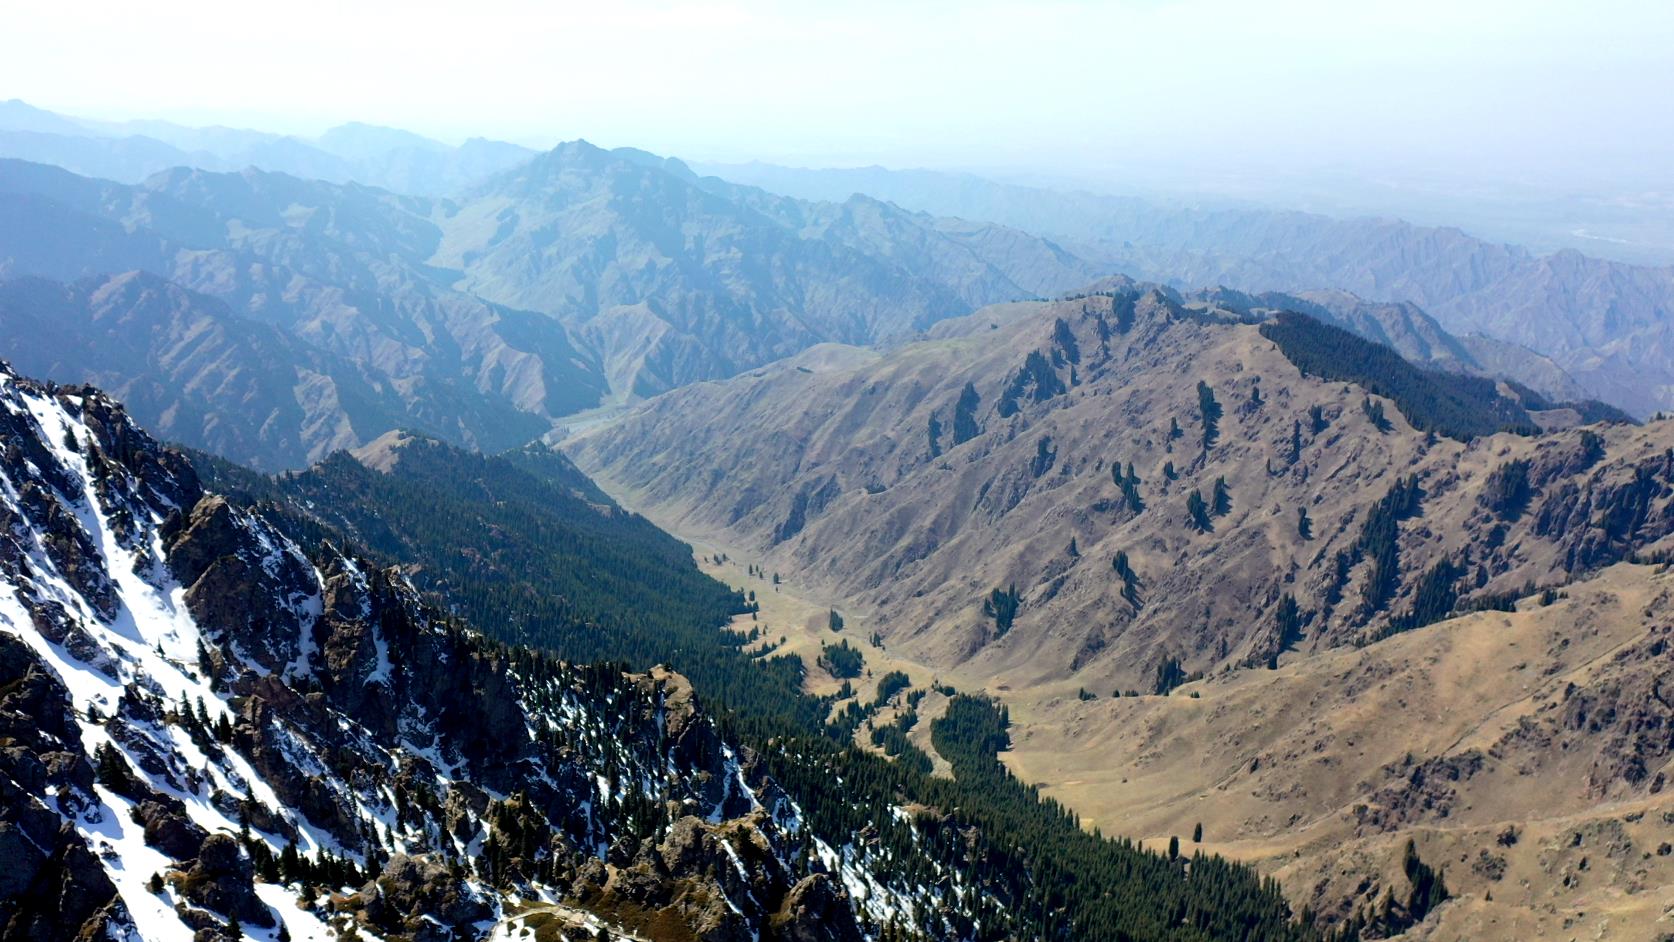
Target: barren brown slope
x=826 y=471
x=1550 y=718
x=1526 y=751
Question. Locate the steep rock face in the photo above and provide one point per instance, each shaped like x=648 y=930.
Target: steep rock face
x=1085 y=424
x=52 y=886
x=205 y=727
x=420 y=898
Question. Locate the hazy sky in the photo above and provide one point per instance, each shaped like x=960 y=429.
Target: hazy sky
x=1527 y=91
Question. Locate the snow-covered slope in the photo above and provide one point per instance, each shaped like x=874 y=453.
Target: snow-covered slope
x=205 y=733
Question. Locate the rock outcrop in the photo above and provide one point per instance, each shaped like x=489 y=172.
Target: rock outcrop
x=198 y=719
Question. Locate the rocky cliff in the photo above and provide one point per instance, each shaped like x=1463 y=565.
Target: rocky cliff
x=209 y=734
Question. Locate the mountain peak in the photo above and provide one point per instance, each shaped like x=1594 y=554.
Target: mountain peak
x=357 y=139
x=384 y=452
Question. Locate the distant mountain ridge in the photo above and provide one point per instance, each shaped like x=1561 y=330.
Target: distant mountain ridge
x=577 y=278
x=130 y=151
x=672 y=278
x=1609 y=324
x=338 y=269
x=1606 y=324
x=612 y=277
x=190 y=367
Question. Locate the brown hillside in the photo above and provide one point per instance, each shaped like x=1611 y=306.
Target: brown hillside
x=826 y=471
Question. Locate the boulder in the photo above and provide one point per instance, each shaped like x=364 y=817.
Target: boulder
x=815 y=910
x=421 y=899
x=222 y=879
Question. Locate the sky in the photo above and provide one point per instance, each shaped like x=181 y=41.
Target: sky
x=1528 y=93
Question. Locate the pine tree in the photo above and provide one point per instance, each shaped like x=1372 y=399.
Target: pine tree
x=964 y=415
x=111 y=770
x=1210 y=412
x=1130 y=579
x=1001 y=605
x=1197 y=833
x=1222 y=499
x=1374 y=412
x=1288 y=622
x=1170 y=674
x=289 y=862
x=1045 y=455
x=1304 y=526
x=1197 y=512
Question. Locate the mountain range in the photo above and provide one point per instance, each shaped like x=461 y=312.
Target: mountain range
x=1145 y=522
x=224 y=721
x=574 y=544
x=211 y=733
x=1606 y=323
x=330 y=314
x=582 y=275
x=131 y=151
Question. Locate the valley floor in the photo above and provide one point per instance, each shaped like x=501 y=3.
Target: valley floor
x=1284 y=768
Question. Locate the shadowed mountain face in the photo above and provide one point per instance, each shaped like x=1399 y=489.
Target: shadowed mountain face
x=1609 y=324
x=191 y=369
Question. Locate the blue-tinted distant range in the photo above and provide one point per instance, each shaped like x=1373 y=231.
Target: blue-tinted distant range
x=1539 y=122
x=484 y=291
